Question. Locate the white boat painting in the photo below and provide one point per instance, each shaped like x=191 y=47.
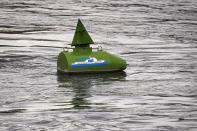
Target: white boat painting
x=90 y=62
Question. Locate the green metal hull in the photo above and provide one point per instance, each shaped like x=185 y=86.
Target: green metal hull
x=84 y=60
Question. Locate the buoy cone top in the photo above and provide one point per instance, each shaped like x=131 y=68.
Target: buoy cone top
x=81 y=36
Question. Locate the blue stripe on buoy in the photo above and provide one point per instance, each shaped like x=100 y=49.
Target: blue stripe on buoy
x=91 y=64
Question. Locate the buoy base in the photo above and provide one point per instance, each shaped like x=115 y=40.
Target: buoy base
x=84 y=60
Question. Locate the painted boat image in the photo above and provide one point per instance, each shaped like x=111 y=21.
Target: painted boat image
x=82 y=58
x=90 y=62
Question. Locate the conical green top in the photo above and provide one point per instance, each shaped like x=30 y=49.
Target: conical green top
x=81 y=36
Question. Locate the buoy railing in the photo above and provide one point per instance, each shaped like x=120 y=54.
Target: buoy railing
x=67 y=48
x=98 y=48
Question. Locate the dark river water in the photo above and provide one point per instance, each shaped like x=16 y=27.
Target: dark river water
x=157 y=91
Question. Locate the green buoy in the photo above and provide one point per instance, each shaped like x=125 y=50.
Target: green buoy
x=83 y=59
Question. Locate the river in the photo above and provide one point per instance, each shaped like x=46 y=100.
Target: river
x=157 y=91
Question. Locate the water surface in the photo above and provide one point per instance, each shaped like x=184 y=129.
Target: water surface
x=157 y=91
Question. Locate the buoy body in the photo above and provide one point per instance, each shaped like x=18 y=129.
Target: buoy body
x=84 y=60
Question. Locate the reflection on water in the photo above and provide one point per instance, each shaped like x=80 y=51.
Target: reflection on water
x=81 y=84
